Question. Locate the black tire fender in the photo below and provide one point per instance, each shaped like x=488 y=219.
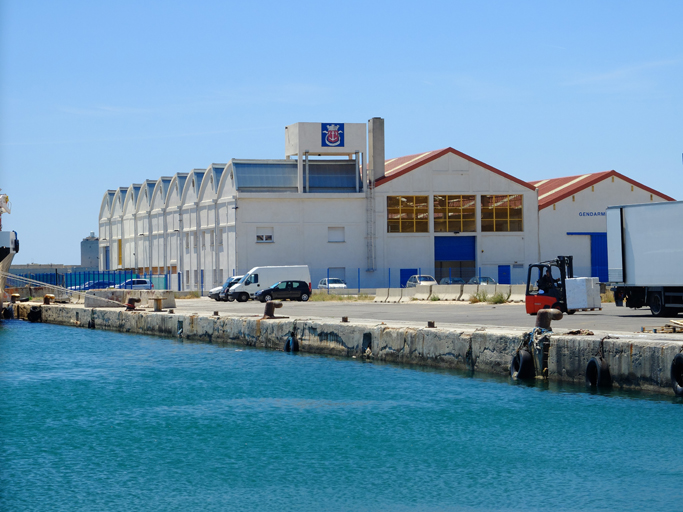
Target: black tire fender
x=677 y=374
x=598 y=374
x=522 y=365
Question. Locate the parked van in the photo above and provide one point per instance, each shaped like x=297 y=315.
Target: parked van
x=260 y=278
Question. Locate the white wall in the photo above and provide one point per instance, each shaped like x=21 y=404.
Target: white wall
x=300 y=225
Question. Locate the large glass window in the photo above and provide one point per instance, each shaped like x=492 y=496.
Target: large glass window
x=454 y=213
x=407 y=214
x=502 y=213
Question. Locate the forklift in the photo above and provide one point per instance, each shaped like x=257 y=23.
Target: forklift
x=544 y=293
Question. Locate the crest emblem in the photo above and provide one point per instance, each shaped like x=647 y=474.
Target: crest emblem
x=333 y=135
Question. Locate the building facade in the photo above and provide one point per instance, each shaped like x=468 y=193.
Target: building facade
x=349 y=213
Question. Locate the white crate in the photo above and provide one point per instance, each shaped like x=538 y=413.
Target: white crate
x=583 y=293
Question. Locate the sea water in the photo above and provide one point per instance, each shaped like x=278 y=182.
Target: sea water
x=103 y=421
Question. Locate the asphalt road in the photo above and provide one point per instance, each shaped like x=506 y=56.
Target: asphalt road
x=611 y=318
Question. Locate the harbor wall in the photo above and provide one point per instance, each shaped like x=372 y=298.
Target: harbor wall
x=634 y=362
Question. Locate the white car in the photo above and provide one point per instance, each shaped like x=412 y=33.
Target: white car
x=420 y=280
x=136 y=284
x=332 y=282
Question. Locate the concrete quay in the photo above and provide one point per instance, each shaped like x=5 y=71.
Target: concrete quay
x=636 y=361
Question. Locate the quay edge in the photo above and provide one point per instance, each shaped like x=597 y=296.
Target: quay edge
x=636 y=362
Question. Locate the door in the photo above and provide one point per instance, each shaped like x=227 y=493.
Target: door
x=599 y=256
x=455 y=256
x=405 y=275
x=504 y=274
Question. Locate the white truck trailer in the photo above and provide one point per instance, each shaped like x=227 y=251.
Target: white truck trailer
x=645 y=256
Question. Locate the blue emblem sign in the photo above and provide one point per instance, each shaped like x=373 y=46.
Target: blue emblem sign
x=332 y=135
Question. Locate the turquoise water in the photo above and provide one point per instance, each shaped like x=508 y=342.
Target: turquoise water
x=94 y=420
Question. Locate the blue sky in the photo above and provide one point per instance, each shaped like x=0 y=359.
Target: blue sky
x=97 y=95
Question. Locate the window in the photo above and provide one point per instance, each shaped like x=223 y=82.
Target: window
x=220 y=237
x=501 y=213
x=196 y=277
x=187 y=241
x=454 y=214
x=187 y=277
x=407 y=214
x=335 y=235
x=264 y=235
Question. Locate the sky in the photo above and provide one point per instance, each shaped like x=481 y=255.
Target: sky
x=100 y=95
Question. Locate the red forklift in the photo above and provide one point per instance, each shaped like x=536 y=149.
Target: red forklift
x=546 y=287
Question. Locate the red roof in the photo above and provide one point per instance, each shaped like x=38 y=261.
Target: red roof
x=556 y=189
x=399 y=166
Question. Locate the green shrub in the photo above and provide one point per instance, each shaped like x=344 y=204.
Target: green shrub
x=497 y=298
x=481 y=296
x=434 y=298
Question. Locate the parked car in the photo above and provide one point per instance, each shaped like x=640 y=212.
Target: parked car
x=92 y=285
x=221 y=292
x=482 y=280
x=452 y=280
x=258 y=277
x=292 y=290
x=418 y=280
x=136 y=284
x=332 y=282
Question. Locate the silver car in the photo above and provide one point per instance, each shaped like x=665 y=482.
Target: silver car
x=420 y=280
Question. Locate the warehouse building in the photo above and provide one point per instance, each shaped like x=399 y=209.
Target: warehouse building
x=371 y=222
x=335 y=204
x=572 y=217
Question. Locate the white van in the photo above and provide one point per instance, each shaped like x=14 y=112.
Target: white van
x=260 y=278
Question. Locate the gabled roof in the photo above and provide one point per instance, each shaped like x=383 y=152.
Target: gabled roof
x=399 y=166
x=556 y=189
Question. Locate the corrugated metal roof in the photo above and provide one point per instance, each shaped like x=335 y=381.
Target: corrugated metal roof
x=552 y=190
x=396 y=167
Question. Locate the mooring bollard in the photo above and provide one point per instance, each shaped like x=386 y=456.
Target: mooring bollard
x=14 y=298
x=130 y=306
x=544 y=317
x=48 y=298
x=431 y=324
x=345 y=319
x=270 y=309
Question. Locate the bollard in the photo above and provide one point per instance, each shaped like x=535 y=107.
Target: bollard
x=171 y=311
x=215 y=313
x=544 y=317
x=130 y=306
x=14 y=298
x=270 y=309
x=157 y=303
x=345 y=319
x=431 y=324
x=48 y=298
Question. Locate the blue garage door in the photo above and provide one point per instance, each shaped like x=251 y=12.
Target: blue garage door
x=599 y=256
x=455 y=256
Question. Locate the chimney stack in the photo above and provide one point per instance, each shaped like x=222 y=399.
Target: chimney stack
x=376 y=148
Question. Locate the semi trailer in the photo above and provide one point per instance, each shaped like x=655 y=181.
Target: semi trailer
x=645 y=256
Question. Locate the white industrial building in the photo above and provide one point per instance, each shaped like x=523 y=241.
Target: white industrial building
x=572 y=216
x=372 y=223
x=335 y=204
